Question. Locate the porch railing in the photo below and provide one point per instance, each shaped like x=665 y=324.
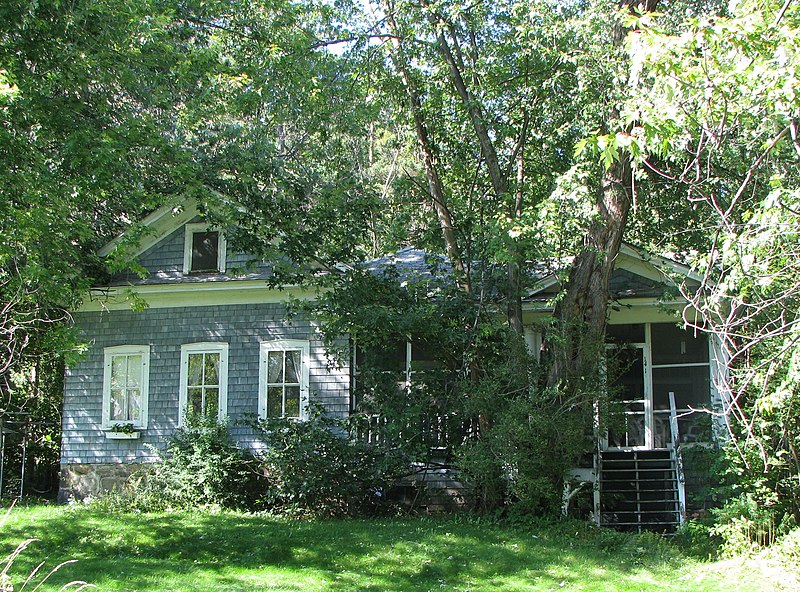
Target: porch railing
x=436 y=432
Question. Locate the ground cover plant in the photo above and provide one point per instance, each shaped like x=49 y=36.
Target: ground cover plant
x=233 y=551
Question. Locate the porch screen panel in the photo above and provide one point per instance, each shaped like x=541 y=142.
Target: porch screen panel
x=387 y=359
x=680 y=366
x=626 y=333
x=690 y=385
x=628 y=365
x=627 y=420
x=673 y=345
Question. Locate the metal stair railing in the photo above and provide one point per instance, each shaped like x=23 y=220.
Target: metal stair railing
x=677 y=458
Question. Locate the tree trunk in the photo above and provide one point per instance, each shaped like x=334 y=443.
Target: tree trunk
x=451 y=53
x=427 y=152
x=581 y=314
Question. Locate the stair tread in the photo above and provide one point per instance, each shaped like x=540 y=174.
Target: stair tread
x=635 y=470
x=637 y=489
x=642 y=523
x=631 y=515
x=643 y=502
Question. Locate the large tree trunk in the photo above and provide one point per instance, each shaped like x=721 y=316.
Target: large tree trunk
x=581 y=314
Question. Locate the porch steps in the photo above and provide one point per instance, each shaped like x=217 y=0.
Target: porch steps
x=639 y=491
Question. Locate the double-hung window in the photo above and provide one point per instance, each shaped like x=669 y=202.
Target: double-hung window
x=204 y=249
x=125 y=385
x=283 y=379
x=204 y=379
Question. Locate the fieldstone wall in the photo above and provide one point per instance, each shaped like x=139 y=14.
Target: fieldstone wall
x=82 y=481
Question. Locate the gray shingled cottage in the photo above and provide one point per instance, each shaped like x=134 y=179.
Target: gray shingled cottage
x=221 y=342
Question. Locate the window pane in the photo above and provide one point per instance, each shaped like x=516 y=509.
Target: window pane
x=195 y=376
x=673 y=345
x=195 y=400
x=134 y=371
x=691 y=387
x=292 y=367
x=118 y=405
x=275 y=367
x=211 y=376
x=292 y=401
x=119 y=371
x=275 y=401
x=134 y=405
x=205 y=248
x=212 y=402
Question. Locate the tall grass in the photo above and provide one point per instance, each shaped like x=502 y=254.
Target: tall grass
x=37 y=576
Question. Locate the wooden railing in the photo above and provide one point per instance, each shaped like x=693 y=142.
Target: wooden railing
x=437 y=432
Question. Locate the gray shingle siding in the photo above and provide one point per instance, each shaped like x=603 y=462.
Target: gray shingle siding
x=166 y=255
x=164 y=264
x=243 y=327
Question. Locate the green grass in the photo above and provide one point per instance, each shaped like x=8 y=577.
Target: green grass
x=227 y=552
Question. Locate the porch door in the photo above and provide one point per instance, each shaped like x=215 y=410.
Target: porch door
x=631 y=425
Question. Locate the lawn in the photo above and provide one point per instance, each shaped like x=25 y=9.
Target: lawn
x=231 y=552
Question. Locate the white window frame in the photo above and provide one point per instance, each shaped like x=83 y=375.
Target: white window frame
x=283 y=345
x=189 y=231
x=214 y=347
x=108 y=356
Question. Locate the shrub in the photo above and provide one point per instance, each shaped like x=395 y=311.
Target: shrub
x=318 y=466
x=529 y=438
x=200 y=467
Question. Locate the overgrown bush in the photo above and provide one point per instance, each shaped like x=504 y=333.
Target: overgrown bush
x=317 y=466
x=513 y=438
x=758 y=501
x=200 y=467
x=529 y=438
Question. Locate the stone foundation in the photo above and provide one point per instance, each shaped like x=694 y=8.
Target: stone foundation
x=81 y=481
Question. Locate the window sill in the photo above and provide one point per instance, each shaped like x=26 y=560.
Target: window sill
x=122 y=436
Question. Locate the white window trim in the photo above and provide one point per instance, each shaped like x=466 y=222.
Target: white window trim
x=125 y=350
x=283 y=345
x=189 y=231
x=215 y=347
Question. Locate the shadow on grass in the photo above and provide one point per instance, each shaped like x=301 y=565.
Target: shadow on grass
x=185 y=551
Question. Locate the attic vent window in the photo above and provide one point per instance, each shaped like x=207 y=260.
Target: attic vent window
x=204 y=250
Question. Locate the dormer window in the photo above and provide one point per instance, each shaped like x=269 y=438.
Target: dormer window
x=204 y=250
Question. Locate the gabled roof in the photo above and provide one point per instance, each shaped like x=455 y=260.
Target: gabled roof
x=159 y=224
x=637 y=274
